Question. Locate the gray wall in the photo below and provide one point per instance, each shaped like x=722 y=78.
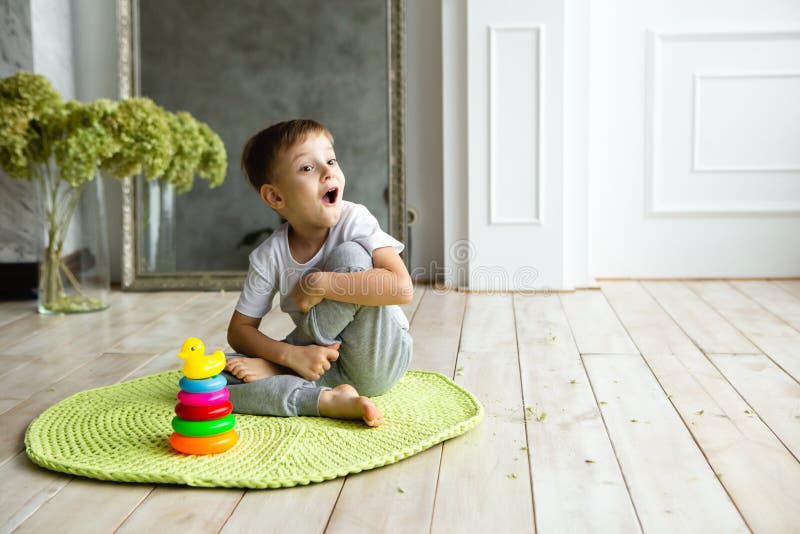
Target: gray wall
x=95 y=56
x=240 y=65
x=19 y=237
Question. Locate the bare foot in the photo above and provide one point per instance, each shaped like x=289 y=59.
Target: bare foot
x=344 y=402
x=252 y=369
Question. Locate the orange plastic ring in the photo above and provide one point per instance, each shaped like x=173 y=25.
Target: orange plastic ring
x=204 y=445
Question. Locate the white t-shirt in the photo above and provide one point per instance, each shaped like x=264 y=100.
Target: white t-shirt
x=273 y=269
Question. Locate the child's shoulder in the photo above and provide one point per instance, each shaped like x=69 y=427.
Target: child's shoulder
x=355 y=217
x=267 y=250
x=353 y=211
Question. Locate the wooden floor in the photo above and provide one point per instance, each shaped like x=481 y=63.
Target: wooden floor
x=669 y=406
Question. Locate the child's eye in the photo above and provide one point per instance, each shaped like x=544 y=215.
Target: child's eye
x=306 y=168
x=332 y=161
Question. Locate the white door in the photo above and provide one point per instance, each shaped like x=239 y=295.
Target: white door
x=514 y=81
x=646 y=138
x=694 y=145
x=515 y=125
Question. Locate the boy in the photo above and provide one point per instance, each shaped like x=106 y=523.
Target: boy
x=340 y=278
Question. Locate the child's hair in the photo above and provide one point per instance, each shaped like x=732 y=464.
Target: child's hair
x=261 y=151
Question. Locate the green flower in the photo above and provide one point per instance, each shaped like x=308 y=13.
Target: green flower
x=214 y=163
x=29 y=107
x=141 y=129
x=189 y=145
x=135 y=136
x=87 y=140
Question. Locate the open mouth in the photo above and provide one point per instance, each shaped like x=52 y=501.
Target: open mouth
x=330 y=196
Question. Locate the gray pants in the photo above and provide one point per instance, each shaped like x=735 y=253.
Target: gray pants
x=374 y=354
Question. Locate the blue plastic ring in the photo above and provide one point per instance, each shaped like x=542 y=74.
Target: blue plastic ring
x=207 y=385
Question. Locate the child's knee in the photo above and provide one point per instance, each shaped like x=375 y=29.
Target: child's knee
x=348 y=256
x=375 y=386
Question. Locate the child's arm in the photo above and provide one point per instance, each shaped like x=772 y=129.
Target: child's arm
x=245 y=338
x=388 y=283
x=309 y=361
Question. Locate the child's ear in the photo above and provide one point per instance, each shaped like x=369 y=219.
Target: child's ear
x=272 y=196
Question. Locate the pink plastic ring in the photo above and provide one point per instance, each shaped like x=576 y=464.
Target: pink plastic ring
x=204 y=399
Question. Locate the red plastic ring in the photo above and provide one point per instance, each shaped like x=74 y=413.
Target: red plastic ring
x=203 y=413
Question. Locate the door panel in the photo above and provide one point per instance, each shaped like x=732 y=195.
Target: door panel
x=694 y=152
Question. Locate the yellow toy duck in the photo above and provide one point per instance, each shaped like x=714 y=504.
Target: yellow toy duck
x=199 y=366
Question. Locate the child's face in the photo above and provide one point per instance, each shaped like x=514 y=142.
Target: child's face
x=305 y=173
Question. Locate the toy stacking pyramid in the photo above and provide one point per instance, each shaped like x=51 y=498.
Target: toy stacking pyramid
x=204 y=422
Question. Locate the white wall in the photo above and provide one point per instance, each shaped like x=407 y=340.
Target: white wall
x=52 y=44
x=95 y=49
x=424 y=133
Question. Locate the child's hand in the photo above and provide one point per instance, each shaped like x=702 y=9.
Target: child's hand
x=311 y=361
x=307 y=293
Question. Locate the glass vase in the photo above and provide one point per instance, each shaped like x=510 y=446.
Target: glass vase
x=156 y=230
x=74 y=269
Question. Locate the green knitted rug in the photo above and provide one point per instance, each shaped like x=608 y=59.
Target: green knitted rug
x=121 y=433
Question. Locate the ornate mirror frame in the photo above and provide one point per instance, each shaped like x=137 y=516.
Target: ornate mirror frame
x=137 y=280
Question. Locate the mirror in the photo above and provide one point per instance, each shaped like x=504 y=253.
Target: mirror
x=239 y=66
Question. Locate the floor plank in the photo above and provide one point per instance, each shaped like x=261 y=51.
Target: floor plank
x=436 y=329
x=177 y=323
x=759 y=473
x=701 y=322
x=671 y=484
x=595 y=330
x=86 y=506
x=577 y=482
x=300 y=509
x=721 y=413
x=183 y=509
x=773 y=298
x=484 y=479
x=770 y=391
x=24 y=488
x=399 y=497
x=792 y=286
x=773 y=336
x=276 y=324
x=11 y=310
x=11 y=362
x=88 y=332
x=411 y=307
x=32 y=325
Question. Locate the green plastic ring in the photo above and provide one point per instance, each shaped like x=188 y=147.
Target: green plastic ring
x=203 y=428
